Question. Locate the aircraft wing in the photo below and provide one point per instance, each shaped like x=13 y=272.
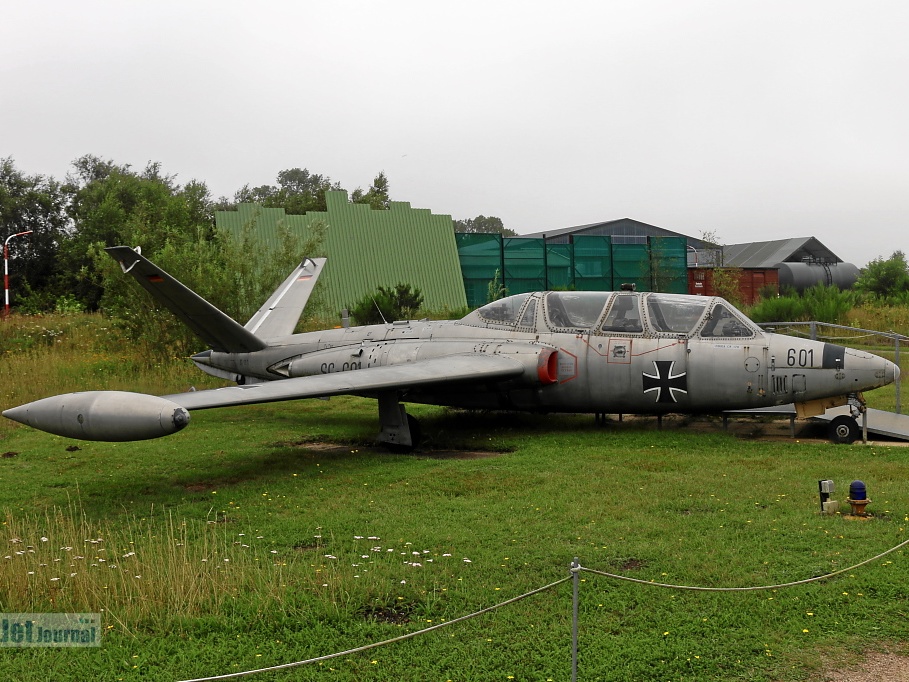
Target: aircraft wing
x=435 y=371
x=123 y=416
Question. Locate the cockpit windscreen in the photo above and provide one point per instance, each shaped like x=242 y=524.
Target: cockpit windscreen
x=575 y=309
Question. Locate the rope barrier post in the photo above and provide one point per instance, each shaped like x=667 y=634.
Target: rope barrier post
x=575 y=581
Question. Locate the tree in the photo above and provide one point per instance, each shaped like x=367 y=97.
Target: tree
x=298 y=191
x=376 y=197
x=483 y=225
x=726 y=283
x=885 y=278
x=37 y=203
x=114 y=206
x=712 y=256
x=89 y=168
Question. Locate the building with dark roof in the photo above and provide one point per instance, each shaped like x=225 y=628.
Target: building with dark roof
x=799 y=262
x=631 y=231
x=802 y=262
x=768 y=254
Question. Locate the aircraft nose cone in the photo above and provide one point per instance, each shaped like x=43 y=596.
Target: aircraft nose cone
x=17 y=414
x=895 y=369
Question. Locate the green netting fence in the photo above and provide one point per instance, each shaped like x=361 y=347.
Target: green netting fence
x=587 y=263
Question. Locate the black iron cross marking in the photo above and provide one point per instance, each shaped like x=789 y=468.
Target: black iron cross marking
x=665 y=383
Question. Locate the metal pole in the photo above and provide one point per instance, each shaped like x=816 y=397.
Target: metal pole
x=576 y=579
x=572 y=261
x=6 y=271
x=501 y=239
x=545 y=265
x=896 y=359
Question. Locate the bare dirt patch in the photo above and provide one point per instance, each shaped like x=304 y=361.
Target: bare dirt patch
x=877 y=667
x=394 y=616
x=208 y=486
x=632 y=564
x=336 y=449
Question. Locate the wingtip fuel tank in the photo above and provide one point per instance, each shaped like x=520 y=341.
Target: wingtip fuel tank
x=103 y=415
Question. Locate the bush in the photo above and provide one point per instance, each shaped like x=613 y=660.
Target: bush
x=821 y=303
x=68 y=304
x=828 y=303
x=496 y=288
x=779 y=309
x=401 y=302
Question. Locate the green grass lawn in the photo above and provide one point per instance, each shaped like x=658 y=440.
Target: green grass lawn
x=271 y=534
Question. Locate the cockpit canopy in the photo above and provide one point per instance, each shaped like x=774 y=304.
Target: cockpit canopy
x=615 y=313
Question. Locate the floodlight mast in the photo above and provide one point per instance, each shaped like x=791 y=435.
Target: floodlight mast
x=6 y=271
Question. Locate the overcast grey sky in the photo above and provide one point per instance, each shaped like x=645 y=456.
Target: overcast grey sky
x=750 y=120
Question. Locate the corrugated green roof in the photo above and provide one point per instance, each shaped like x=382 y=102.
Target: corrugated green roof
x=367 y=248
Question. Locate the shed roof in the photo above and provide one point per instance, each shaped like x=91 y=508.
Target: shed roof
x=769 y=254
x=606 y=227
x=620 y=227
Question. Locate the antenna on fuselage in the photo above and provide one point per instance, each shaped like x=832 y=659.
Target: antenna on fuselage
x=376 y=304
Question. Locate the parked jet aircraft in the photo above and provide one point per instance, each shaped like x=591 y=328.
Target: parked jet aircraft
x=559 y=351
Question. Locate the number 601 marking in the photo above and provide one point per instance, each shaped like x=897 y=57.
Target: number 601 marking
x=801 y=357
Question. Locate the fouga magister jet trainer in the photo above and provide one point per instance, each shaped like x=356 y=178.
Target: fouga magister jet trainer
x=600 y=352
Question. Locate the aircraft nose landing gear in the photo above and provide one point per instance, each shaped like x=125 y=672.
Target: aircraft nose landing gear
x=845 y=429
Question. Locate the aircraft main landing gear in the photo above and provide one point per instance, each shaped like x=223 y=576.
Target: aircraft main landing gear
x=400 y=432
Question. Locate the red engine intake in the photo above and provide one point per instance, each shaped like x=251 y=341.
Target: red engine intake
x=548 y=366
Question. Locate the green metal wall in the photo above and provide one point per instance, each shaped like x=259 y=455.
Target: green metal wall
x=588 y=263
x=480 y=256
x=367 y=248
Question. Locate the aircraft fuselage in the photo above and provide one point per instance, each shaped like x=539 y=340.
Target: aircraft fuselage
x=711 y=359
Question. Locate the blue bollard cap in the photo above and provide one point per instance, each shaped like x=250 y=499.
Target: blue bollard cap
x=857 y=491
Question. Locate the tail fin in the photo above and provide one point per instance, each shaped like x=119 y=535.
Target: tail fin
x=211 y=325
x=280 y=313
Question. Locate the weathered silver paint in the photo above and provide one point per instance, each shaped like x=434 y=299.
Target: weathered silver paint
x=598 y=352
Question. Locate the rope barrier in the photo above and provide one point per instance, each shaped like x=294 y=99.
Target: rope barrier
x=826 y=576
x=401 y=638
x=574 y=569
